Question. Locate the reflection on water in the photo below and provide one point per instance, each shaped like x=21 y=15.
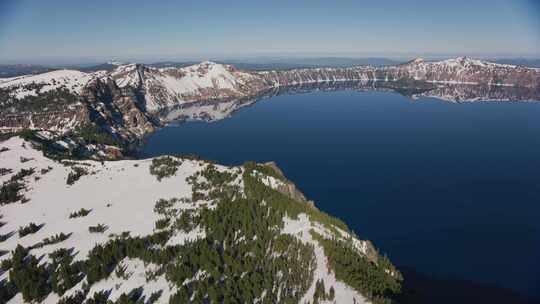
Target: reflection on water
x=214 y=110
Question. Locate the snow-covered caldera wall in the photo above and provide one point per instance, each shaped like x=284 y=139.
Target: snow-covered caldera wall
x=128 y=101
x=163 y=87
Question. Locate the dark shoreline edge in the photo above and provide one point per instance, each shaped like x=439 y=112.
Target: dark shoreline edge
x=421 y=288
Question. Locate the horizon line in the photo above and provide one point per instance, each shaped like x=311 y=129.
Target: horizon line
x=156 y=58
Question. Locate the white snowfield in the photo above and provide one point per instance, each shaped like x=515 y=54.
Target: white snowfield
x=204 y=75
x=121 y=195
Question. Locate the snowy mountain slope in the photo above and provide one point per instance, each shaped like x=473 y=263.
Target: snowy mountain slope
x=168 y=87
x=55 y=200
x=94 y=234
x=31 y=85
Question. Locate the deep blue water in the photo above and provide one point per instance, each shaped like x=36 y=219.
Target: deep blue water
x=451 y=190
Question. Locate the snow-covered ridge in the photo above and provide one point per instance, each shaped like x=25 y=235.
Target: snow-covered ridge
x=51 y=199
x=107 y=194
x=72 y=80
x=166 y=87
x=183 y=80
x=205 y=75
x=465 y=70
x=176 y=82
x=464 y=61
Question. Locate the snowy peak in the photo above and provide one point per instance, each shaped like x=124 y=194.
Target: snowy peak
x=464 y=61
x=204 y=81
x=417 y=60
x=457 y=61
x=115 y=62
x=207 y=63
x=208 y=73
x=127 y=75
x=461 y=61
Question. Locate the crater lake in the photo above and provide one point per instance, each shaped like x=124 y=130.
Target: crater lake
x=450 y=190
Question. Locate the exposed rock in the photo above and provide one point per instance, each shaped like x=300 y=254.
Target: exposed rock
x=289 y=188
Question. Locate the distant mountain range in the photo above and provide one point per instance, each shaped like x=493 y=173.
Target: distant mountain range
x=12 y=70
x=125 y=100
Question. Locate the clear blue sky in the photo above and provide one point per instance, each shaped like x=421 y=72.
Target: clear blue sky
x=41 y=29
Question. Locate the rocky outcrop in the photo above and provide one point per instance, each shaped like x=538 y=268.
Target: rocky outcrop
x=289 y=188
x=120 y=110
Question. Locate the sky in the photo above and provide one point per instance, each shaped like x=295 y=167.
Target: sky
x=40 y=31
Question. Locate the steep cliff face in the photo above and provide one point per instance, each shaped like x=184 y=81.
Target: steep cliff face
x=120 y=110
x=306 y=76
x=60 y=120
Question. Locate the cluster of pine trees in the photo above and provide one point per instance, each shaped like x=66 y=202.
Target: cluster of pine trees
x=321 y=294
x=379 y=281
x=10 y=190
x=164 y=166
x=80 y=213
x=28 y=229
x=34 y=103
x=75 y=175
x=93 y=134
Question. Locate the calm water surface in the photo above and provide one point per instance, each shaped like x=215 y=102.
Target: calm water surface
x=451 y=190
